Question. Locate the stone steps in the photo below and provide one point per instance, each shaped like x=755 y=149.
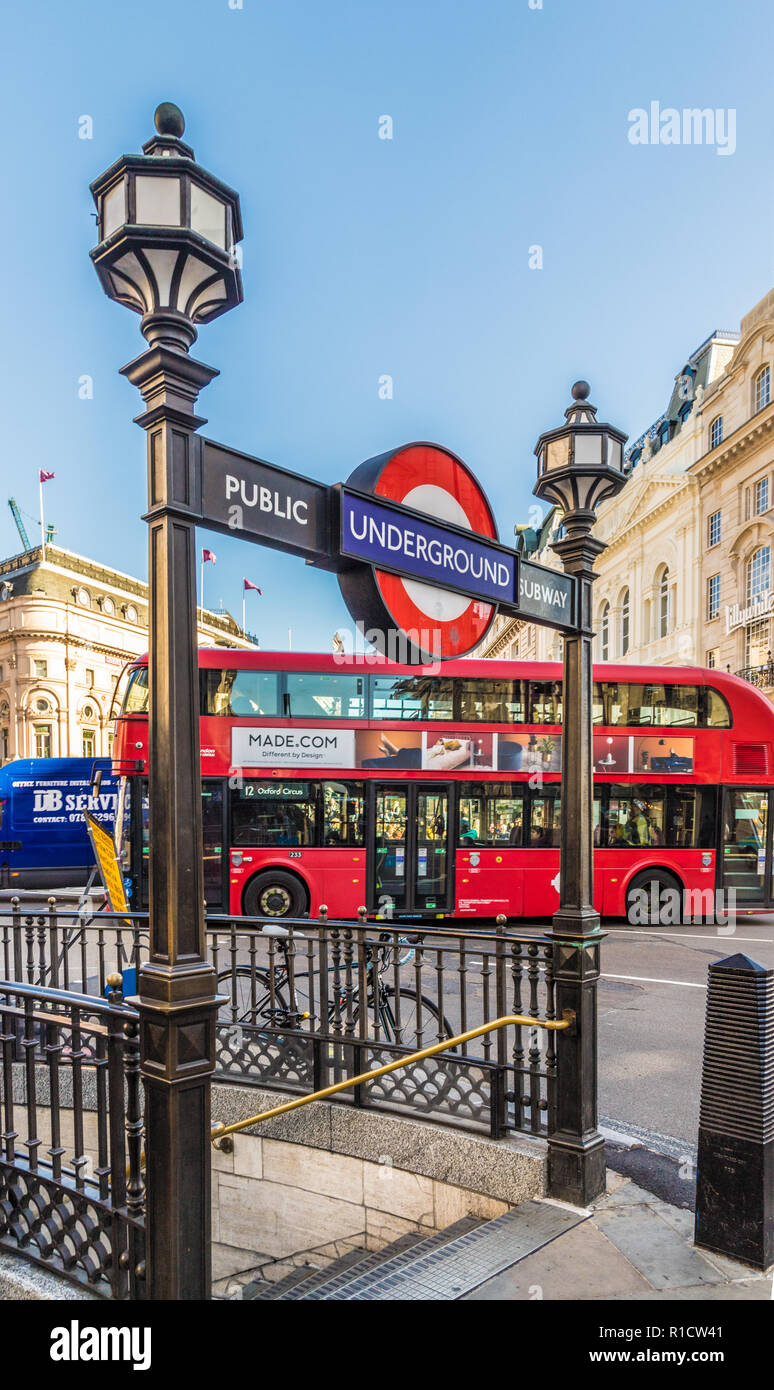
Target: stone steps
x=302 y=1281
x=440 y=1267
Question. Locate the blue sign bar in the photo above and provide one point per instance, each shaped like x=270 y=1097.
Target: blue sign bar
x=401 y=541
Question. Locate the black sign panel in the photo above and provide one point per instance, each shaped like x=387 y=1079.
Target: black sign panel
x=247 y=497
x=257 y=501
x=546 y=596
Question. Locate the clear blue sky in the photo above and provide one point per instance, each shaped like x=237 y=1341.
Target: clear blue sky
x=365 y=256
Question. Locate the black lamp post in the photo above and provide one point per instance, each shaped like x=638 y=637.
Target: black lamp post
x=167 y=231
x=579 y=465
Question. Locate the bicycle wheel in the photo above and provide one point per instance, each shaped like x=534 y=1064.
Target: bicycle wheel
x=249 y=997
x=412 y=1019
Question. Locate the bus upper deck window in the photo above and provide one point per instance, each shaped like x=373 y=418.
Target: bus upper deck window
x=438 y=697
x=315 y=695
x=545 y=702
x=718 y=712
x=490 y=701
x=239 y=693
x=660 y=706
x=395 y=697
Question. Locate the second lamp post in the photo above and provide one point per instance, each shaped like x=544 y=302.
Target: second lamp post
x=579 y=465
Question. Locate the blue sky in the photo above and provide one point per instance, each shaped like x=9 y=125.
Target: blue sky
x=365 y=257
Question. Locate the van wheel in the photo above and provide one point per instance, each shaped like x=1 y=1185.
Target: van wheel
x=274 y=894
x=650 y=899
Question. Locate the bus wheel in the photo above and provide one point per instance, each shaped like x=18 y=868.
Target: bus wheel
x=654 y=898
x=274 y=894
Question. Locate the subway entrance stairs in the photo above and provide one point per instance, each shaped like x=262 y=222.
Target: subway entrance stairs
x=444 y=1266
x=632 y=1245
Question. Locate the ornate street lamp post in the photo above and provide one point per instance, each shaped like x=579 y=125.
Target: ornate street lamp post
x=579 y=464
x=167 y=232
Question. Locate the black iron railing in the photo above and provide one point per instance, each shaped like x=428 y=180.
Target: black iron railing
x=71 y=1185
x=762 y=676
x=308 y=1003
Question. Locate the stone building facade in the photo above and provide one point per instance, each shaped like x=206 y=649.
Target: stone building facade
x=686 y=577
x=68 y=627
x=734 y=476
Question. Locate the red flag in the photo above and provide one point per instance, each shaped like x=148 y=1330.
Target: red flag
x=44 y=477
x=208 y=555
x=249 y=585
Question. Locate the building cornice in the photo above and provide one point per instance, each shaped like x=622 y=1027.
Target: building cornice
x=65 y=639
x=715 y=460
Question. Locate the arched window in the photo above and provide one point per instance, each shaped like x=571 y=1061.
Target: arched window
x=625 y=611
x=84 y=598
x=685 y=411
x=664 y=604
x=664 y=433
x=761 y=389
x=716 y=432
x=758 y=576
x=604 y=632
x=757 y=636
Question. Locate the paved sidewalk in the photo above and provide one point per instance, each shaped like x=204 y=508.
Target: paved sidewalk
x=632 y=1247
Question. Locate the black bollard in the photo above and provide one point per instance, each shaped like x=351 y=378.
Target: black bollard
x=735 y=1176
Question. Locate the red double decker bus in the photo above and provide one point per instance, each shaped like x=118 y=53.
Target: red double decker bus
x=348 y=780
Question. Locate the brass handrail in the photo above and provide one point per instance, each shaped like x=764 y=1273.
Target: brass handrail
x=220 y=1131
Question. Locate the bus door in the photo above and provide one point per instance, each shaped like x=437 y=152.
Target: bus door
x=746 y=844
x=213 y=841
x=410 y=871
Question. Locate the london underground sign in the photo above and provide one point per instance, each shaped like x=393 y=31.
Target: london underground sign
x=445 y=578
x=413 y=546
x=410 y=535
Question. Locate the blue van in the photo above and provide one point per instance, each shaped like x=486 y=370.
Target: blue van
x=44 y=842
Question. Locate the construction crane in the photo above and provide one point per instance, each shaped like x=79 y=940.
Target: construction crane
x=25 y=540
x=21 y=528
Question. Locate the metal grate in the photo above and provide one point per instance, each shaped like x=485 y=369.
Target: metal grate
x=751 y=759
x=456 y=1267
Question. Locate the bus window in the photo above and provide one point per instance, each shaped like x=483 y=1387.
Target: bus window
x=396 y=697
x=491 y=702
x=545 y=702
x=239 y=693
x=472 y=824
x=136 y=697
x=718 y=713
x=681 y=826
x=343 y=814
x=265 y=814
x=314 y=695
x=490 y=814
x=506 y=820
x=438 y=698
x=672 y=706
x=635 y=816
x=545 y=820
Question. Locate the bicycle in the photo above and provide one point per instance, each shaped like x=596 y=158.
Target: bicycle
x=263 y=996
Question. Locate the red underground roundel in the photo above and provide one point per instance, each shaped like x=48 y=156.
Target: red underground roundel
x=433 y=481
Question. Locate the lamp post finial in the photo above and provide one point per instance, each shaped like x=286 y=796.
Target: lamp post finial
x=169 y=119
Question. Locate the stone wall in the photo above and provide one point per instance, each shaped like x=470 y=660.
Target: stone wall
x=327 y=1179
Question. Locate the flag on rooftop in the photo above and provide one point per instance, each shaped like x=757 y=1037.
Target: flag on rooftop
x=249 y=585
x=45 y=477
